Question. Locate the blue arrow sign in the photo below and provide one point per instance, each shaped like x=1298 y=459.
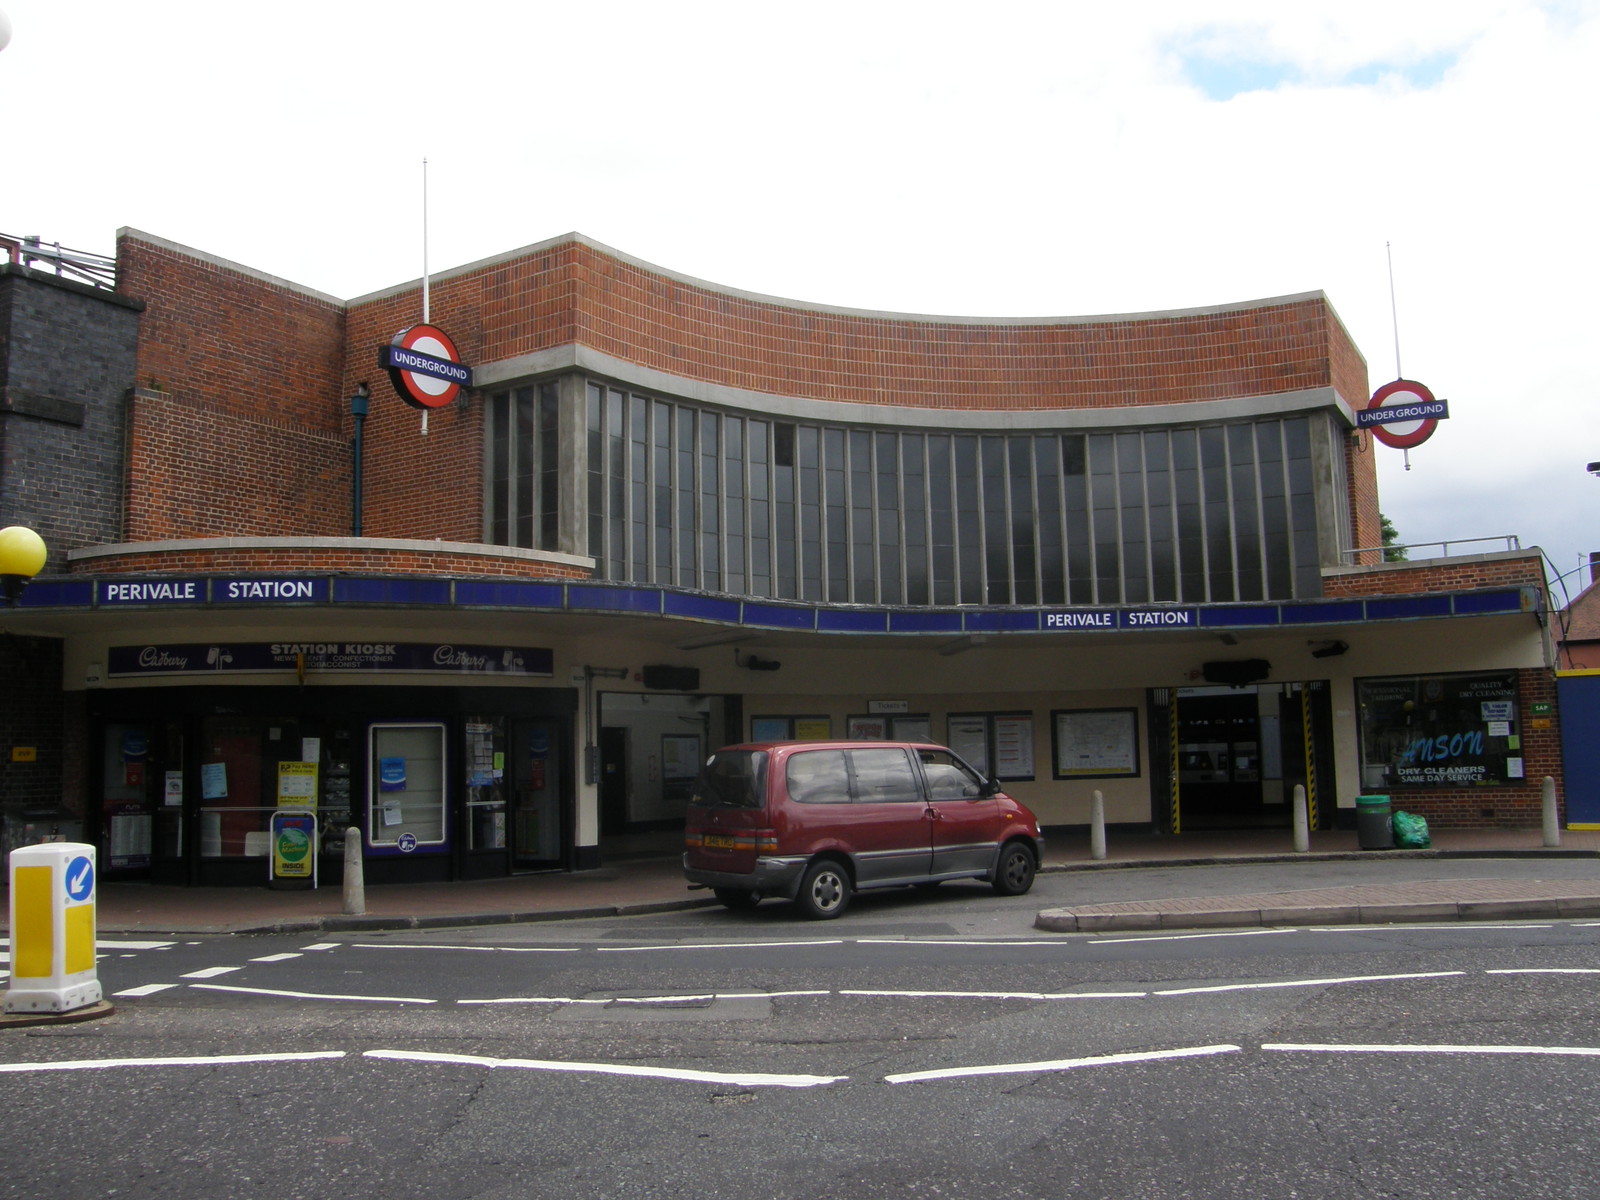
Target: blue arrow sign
x=80 y=878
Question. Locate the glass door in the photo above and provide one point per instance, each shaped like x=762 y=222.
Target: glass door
x=536 y=786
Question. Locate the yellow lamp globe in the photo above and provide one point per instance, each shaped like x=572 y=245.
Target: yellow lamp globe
x=22 y=555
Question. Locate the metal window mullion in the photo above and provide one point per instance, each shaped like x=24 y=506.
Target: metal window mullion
x=1149 y=546
x=1122 y=541
x=927 y=521
x=1261 y=514
x=1233 y=529
x=1288 y=506
x=1201 y=500
x=1172 y=521
x=1089 y=522
x=872 y=512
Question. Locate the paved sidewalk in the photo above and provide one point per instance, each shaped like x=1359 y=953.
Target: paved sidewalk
x=655 y=884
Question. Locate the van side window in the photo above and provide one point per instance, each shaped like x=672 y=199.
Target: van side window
x=948 y=777
x=818 y=777
x=884 y=777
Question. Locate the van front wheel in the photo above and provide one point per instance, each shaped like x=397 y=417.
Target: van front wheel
x=825 y=891
x=1014 y=875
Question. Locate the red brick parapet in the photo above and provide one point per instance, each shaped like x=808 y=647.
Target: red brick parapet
x=327 y=556
x=1469 y=572
x=574 y=291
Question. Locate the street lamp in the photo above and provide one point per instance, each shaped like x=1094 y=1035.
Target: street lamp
x=22 y=555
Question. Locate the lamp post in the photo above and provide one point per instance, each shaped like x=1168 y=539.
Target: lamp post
x=22 y=555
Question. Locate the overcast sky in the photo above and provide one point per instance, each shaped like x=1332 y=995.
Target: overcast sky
x=999 y=160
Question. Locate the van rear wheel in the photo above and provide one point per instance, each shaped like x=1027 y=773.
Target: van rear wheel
x=825 y=890
x=1014 y=876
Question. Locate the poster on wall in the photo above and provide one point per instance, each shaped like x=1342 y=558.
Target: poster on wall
x=911 y=729
x=1440 y=731
x=297 y=785
x=1098 y=743
x=770 y=729
x=866 y=729
x=1013 y=746
x=813 y=729
x=969 y=737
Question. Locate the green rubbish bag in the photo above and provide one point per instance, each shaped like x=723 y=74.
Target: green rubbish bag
x=1411 y=832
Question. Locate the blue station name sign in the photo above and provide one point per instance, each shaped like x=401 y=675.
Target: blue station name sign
x=1092 y=619
x=254 y=589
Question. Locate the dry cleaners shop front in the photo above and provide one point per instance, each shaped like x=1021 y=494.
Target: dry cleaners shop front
x=452 y=756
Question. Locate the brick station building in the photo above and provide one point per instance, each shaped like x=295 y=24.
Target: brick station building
x=1131 y=554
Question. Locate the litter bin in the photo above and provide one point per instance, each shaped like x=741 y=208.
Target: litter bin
x=1373 y=823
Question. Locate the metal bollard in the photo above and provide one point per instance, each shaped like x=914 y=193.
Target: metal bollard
x=1302 y=823
x=355 y=884
x=1552 y=823
x=1097 y=825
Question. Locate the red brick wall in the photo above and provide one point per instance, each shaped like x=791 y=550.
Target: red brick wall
x=238 y=426
x=419 y=485
x=351 y=560
x=574 y=292
x=197 y=470
x=1439 y=575
x=237 y=342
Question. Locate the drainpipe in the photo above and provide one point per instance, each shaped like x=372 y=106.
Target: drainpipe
x=358 y=410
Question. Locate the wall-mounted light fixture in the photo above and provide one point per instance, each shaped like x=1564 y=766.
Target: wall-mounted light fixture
x=22 y=556
x=751 y=663
x=1331 y=648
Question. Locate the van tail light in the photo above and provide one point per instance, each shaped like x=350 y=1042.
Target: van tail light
x=766 y=841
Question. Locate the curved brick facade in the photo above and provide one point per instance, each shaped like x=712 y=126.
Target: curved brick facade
x=353 y=559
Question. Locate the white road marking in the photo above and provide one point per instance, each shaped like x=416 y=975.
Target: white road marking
x=1294 y=983
x=209 y=973
x=97 y=1064
x=1407 y=927
x=121 y=944
x=148 y=989
x=321 y=946
x=1016 y=943
x=1544 y=971
x=480 y=949
x=1323 y=1048
x=707 y=996
x=592 y=1068
x=277 y=957
x=220 y=987
x=1060 y=1064
x=1187 y=937
x=996 y=995
x=723 y=946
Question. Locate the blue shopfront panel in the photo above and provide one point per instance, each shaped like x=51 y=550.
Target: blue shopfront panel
x=1578 y=694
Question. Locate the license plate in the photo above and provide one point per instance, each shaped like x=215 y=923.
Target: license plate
x=718 y=841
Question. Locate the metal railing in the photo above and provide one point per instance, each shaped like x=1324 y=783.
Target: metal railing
x=1508 y=541
x=79 y=265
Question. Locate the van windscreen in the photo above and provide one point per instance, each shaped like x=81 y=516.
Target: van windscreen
x=733 y=779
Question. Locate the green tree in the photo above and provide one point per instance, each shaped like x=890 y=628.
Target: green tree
x=1391 y=535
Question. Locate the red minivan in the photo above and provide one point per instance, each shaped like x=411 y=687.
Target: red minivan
x=814 y=822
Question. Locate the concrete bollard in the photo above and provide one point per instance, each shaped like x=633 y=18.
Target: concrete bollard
x=355 y=884
x=1097 y=825
x=1302 y=822
x=1552 y=822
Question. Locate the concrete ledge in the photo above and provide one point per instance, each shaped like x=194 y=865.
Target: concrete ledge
x=1332 y=915
x=1067 y=920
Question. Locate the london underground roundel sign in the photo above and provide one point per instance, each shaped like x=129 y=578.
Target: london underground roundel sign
x=425 y=367
x=1402 y=414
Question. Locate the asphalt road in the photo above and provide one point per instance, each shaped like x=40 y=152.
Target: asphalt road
x=895 y=1053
